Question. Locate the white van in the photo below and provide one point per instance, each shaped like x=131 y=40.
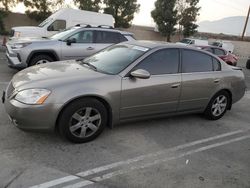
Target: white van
x=193 y=41
x=227 y=45
x=61 y=20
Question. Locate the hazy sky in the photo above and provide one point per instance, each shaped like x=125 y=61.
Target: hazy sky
x=210 y=10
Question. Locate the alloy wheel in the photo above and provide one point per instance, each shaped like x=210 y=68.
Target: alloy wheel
x=219 y=105
x=85 y=122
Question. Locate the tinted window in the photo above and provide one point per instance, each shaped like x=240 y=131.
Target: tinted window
x=219 y=52
x=57 y=25
x=208 y=50
x=216 y=64
x=193 y=61
x=161 y=62
x=123 y=38
x=83 y=37
x=107 y=37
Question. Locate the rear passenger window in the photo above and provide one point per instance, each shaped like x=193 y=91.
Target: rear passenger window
x=161 y=62
x=123 y=38
x=219 y=52
x=216 y=64
x=107 y=37
x=194 y=61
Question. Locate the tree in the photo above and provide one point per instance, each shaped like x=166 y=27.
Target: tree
x=3 y=14
x=165 y=16
x=188 y=17
x=7 y=4
x=90 y=5
x=122 y=10
x=40 y=9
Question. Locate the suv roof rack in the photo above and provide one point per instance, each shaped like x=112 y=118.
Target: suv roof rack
x=89 y=26
x=83 y=25
x=106 y=26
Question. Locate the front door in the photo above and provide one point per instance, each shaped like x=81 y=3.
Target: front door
x=156 y=95
x=82 y=48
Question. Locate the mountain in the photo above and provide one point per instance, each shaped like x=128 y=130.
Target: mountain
x=230 y=25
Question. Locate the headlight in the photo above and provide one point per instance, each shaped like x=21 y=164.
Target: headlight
x=20 y=45
x=17 y=34
x=32 y=96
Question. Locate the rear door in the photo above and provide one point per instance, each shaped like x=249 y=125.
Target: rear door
x=199 y=80
x=158 y=94
x=104 y=39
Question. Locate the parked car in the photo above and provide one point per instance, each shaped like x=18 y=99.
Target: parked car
x=74 y=43
x=192 y=41
x=226 y=56
x=60 y=20
x=227 y=45
x=127 y=81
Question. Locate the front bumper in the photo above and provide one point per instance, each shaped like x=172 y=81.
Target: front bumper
x=14 y=62
x=32 y=117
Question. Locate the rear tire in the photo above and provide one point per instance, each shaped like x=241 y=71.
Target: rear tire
x=83 y=120
x=217 y=106
x=40 y=59
x=248 y=64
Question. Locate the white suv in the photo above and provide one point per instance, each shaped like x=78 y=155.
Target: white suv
x=74 y=43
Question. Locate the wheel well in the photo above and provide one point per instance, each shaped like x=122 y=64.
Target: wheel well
x=104 y=102
x=50 y=54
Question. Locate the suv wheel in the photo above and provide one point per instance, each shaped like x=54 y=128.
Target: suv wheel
x=40 y=59
x=218 y=106
x=83 y=120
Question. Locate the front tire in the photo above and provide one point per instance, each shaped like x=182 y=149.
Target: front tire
x=217 y=106
x=83 y=120
x=40 y=59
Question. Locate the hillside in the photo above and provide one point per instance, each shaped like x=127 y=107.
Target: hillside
x=230 y=25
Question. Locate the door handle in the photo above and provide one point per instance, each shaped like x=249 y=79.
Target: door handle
x=216 y=81
x=175 y=85
x=90 y=48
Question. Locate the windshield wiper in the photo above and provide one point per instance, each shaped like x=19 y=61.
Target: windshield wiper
x=88 y=64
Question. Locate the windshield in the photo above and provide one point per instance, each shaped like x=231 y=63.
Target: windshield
x=186 y=41
x=216 y=44
x=116 y=58
x=64 y=33
x=45 y=22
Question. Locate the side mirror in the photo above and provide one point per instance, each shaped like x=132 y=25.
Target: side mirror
x=70 y=41
x=140 y=73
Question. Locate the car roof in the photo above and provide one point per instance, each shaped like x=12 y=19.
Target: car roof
x=156 y=44
x=102 y=29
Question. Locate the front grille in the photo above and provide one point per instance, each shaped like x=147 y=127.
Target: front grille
x=10 y=89
x=12 y=32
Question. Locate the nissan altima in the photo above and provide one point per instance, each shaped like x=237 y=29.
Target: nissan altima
x=128 y=81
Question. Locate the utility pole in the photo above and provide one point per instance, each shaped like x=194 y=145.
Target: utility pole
x=245 y=27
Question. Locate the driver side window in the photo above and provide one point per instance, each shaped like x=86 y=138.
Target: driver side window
x=57 y=25
x=83 y=37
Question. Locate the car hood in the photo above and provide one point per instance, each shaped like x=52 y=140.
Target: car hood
x=25 y=28
x=28 y=40
x=56 y=72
